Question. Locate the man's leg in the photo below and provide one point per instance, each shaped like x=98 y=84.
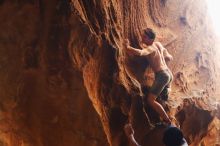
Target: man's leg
x=162 y=78
x=151 y=99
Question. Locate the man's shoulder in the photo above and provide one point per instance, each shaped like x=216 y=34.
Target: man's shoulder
x=157 y=42
x=159 y=45
x=148 y=49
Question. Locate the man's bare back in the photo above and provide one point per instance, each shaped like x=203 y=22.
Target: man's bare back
x=157 y=58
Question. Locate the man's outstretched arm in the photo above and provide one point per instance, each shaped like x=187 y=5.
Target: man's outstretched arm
x=166 y=54
x=134 y=51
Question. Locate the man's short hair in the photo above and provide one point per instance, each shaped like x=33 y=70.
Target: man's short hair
x=174 y=137
x=150 y=33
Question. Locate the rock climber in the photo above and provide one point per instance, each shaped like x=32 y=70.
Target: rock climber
x=156 y=56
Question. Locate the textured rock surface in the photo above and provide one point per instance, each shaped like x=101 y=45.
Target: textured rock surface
x=58 y=57
x=43 y=101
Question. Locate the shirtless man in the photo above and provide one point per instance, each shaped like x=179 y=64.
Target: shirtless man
x=156 y=55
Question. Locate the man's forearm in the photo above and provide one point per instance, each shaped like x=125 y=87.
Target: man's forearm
x=135 y=51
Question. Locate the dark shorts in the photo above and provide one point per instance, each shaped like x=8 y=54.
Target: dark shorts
x=162 y=79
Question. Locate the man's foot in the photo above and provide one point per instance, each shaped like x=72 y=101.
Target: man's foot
x=174 y=121
x=167 y=121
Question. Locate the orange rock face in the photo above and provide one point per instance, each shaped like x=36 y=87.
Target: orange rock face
x=65 y=80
